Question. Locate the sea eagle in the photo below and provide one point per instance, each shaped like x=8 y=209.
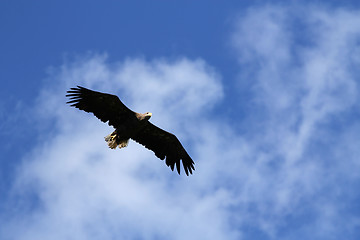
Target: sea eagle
x=131 y=125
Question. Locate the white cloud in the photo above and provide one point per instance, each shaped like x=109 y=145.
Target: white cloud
x=87 y=191
x=303 y=80
x=286 y=171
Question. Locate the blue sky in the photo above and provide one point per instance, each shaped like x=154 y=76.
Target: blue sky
x=264 y=95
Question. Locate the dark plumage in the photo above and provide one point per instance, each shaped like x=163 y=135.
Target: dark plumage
x=131 y=125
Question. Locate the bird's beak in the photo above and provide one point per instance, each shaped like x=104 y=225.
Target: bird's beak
x=149 y=114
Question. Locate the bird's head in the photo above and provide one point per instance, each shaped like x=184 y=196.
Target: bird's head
x=147 y=115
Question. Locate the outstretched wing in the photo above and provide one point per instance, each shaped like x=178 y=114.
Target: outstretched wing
x=165 y=144
x=105 y=107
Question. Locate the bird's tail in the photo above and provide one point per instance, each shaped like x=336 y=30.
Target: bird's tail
x=112 y=143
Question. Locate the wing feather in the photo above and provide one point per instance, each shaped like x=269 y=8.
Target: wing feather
x=104 y=106
x=165 y=145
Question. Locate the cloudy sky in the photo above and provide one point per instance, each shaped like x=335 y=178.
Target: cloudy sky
x=264 y=95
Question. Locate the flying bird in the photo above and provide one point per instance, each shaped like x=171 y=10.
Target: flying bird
x=131 y=125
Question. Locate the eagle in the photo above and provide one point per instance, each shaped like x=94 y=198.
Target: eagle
x=131 y=125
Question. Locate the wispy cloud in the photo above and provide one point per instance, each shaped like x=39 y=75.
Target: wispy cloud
x=290 y=175
x=304 y=82
x=84 y=190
